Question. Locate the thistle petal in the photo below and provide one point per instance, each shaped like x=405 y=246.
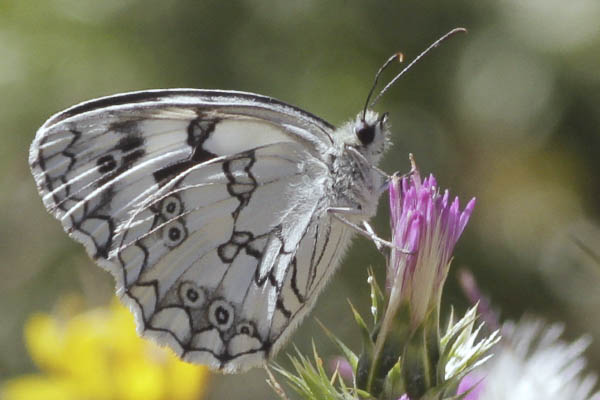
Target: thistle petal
x=425 y=228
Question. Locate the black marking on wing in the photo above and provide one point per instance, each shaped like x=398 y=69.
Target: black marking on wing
x=253 y=251
x=128 y=126
x=337 y=245
x=106 y=163
x=272 y=279
x=130 y=142
x=149 y=326
x=229 y=250
x=101 y=250
x=130 y=158
x=226 y=357
x=315 y=265
x=281 y=307
x=198 y=323
x=40 y=160
x=108 y=166
x=260 y=281
x=335 y=251
x=68 y=154
x=97 y=212
x=142 y=268
x=164 y=95
x=51 y=184
x=167 y=173
x=198 y=132
x=312 y=266
x=294 y=266
x=154 y=285
x=241 y=189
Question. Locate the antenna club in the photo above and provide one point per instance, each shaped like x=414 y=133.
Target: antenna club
x=413 y=62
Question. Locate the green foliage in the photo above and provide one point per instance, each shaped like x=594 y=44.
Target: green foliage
x=311 y=381
x=456 y=354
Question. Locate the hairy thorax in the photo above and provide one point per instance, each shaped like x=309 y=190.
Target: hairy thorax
x=356 y=186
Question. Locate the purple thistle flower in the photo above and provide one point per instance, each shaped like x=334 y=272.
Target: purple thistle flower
x=425 y=229
x=426 y=225
x=473 y=384
x=343 y=367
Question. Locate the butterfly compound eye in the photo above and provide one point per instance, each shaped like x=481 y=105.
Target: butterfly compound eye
x=366 y=134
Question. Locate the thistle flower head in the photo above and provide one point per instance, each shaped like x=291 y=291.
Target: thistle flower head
x=404 y=356
x=426 y=225
x=425 y=228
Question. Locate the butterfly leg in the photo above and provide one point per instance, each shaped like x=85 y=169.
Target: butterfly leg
x=371 y=231
x=366 y=231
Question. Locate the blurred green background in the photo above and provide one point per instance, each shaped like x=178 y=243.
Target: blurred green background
x=509 y=113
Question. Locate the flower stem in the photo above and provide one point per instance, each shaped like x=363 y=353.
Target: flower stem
x=388 y=349
x=421 y=357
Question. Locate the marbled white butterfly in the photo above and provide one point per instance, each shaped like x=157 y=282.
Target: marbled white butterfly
x=220 y=214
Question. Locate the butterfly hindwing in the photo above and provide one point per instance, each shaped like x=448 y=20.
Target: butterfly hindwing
x=208 y=208
x=217 y=248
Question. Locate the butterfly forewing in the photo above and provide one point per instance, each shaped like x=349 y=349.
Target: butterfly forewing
x=208 y=207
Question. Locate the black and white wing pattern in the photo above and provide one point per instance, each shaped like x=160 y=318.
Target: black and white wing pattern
x=210 y=209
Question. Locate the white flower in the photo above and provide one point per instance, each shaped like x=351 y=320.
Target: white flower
x=534 y=363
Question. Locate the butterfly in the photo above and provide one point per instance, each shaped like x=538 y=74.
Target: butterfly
x=221 y=214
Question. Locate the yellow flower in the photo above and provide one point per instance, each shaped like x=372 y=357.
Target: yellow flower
x=97 y=355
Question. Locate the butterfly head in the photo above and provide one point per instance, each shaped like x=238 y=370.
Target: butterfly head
x=371 y=135
x=358 y=180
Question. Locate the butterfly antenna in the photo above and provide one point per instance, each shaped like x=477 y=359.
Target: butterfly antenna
x=413 y=62
x=397 y=56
